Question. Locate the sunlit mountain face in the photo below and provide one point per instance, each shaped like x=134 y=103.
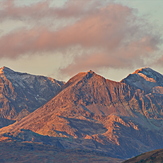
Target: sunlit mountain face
x=116 y=119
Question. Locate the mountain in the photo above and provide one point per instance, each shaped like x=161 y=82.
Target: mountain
x=146 y=79
x=22 y=93
x=120 y=119
x=155 y=156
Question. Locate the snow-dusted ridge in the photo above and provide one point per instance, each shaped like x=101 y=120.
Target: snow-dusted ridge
x=145 y=78
x=22 y=93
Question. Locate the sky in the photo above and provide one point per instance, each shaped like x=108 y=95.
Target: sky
x=60 y=38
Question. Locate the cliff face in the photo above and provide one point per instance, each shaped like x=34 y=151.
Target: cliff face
x=121 y=119
x=149 y=84
x=22 y=93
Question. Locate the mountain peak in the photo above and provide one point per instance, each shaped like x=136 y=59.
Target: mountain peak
x=91 y=72
x=80 y=76
x=148 y=74
x=144 y=78
x=5 y=69
x=144 y=70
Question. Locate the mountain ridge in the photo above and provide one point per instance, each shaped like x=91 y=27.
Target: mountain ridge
x=22 y=93
x=121 y=119
x=145 y=79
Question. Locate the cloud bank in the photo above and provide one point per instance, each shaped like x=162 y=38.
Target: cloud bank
x=106 y=34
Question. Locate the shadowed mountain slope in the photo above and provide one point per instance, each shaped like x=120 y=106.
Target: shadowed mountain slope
x=122 y=119
x=22 y=93
x=26 y=152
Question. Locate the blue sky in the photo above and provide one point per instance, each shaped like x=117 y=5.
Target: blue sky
x=60 y=38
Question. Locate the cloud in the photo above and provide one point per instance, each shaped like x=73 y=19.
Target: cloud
x=128 y=56
x=35 y=11
x=107 y=35
x=44 y=9
x=157 y=60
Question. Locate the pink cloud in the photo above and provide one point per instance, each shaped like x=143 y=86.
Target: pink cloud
x=108 y=35
x=157 y=60
x=11 y=11
x=43 y=9
x=126 y=56
x=95 y=30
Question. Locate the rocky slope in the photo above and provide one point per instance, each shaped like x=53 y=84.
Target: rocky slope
x=22 y=93
x=120 y=119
